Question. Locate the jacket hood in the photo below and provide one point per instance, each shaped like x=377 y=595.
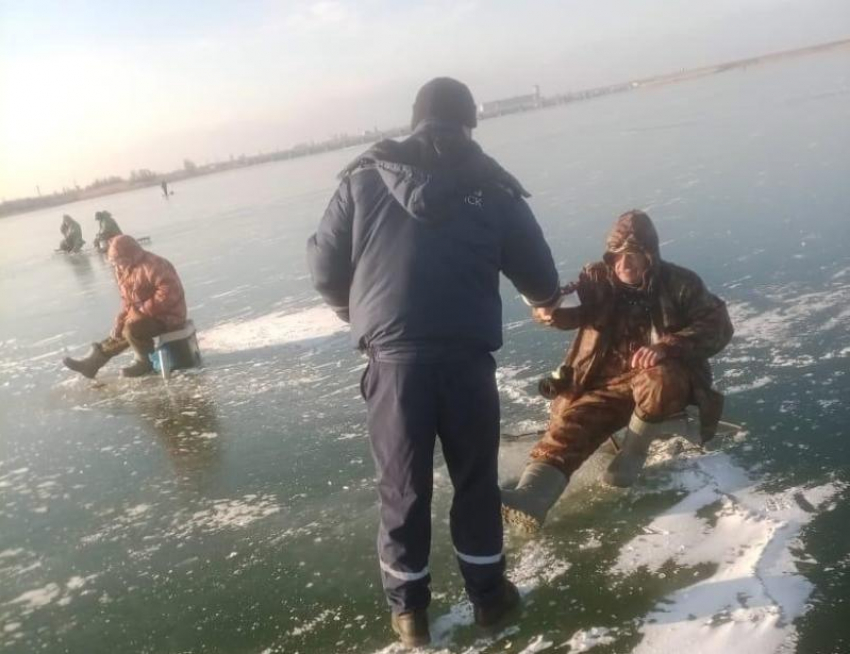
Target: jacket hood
x=633 y=232
x=124 y=251
x=436 y=164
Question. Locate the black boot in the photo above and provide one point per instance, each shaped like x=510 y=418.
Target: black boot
x=493 y=614
x=412 y=627
x=138 y=368
x=89 y=366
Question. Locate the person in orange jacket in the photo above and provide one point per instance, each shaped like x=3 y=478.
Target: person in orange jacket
x=153 y=303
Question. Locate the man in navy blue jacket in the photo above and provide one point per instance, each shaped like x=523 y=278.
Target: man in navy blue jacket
x=409 y=252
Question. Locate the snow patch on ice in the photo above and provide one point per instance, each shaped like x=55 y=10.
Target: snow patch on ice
x=227 y=514
x=585 y=640
x=273 y=329
x=132 y=517
x=792 y=316
x=759 y=382
x=592 y=542
x=58 y=593
x=756 y=592
x=216 y=516
x=310 y=625
x=536 y=564
x=38 y=597
x=75 y=583
x=537 y=644
x=844 y=272
x=514 y=388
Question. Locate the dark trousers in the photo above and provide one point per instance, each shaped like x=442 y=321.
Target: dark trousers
x=138 y=334
x=579 y=425
x=409 y=405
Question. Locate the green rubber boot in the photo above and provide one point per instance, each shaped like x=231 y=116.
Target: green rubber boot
x=625 y=468
x=538 y=489
x=138 y=368
x=88 y=366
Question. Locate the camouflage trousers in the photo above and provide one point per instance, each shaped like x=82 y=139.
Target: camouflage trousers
x=579 y=425
x=138 y=335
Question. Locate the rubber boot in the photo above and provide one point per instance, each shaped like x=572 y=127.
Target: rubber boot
x=538 y=489
x=494 y=614
x=138 y=368
x=625 y=468
x=411 y=627
x=89 y=366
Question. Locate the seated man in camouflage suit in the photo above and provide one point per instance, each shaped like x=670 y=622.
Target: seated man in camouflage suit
x=646 y=329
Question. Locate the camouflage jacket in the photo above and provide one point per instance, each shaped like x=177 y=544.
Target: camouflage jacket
x=690 y=322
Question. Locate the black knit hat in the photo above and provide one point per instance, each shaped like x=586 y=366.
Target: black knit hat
x=446 y=99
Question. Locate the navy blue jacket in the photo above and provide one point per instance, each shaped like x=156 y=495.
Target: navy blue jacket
x=411 y=254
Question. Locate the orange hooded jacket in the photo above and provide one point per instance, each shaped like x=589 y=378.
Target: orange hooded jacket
x=148 y=284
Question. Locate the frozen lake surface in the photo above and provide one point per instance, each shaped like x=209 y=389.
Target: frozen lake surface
x=232 y=510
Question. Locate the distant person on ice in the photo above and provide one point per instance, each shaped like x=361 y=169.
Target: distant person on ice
x=152 y=303
x=164 y=186
x=107 y=230
x=72 y=235
x=646 y=329
x=410 y=249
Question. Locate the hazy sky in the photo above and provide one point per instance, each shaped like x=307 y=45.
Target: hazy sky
x=90 y=88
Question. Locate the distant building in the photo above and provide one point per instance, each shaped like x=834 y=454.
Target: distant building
x=510 y=105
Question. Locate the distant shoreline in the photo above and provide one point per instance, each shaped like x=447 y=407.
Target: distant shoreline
x=146 y=178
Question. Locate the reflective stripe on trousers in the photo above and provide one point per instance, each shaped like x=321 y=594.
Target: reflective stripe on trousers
x=479 y=560
x=404 y=576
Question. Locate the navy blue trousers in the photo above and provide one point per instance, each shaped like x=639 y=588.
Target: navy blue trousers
x=410 y=404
